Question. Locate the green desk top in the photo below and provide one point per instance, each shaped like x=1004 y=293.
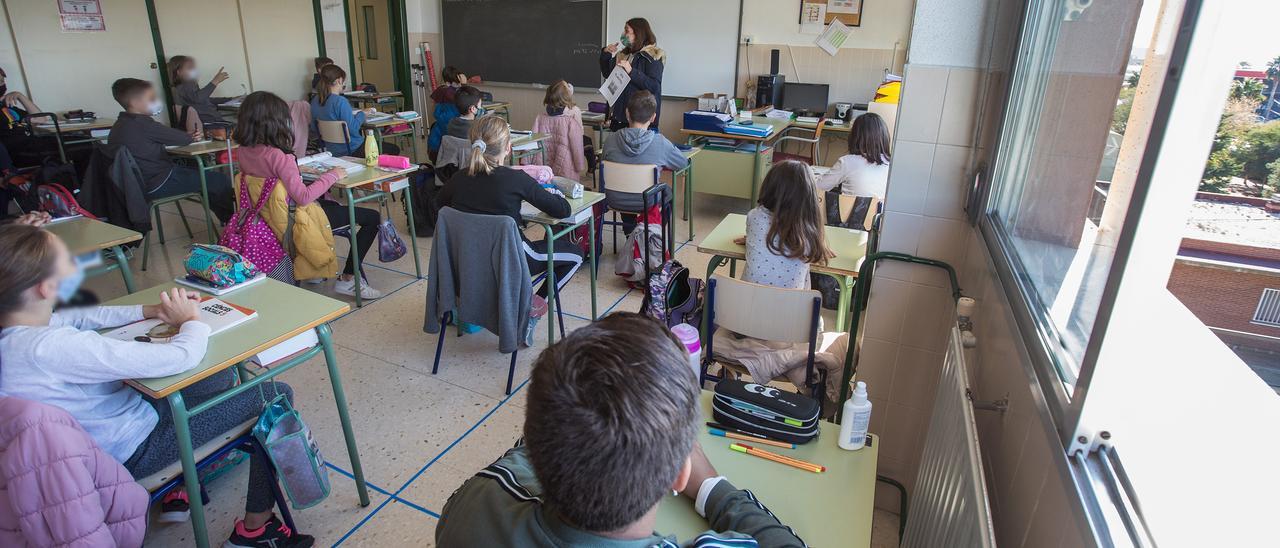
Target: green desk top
x=778 y=126
x=521 y=139
x=576 y=206
x=83 y=234
x=833 y=508
x=689 y=154
x=369 y=175
x=201 y=148
x=378 y=95
x=850 y=245
x=67 y=127
x=837 y=127
x=283 y=312
x=392 y=121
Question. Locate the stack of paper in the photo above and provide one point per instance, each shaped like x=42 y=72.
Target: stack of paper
x=761 y=130
x=312 y=167
x=378 y=117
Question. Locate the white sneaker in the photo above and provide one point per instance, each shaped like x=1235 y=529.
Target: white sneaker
x=348 y=287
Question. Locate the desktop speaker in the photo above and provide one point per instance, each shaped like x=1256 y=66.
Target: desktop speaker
x=769 y=90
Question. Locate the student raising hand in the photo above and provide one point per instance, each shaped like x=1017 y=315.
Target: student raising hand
x=220 y=77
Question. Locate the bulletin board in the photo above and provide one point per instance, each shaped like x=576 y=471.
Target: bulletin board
x=848 y=12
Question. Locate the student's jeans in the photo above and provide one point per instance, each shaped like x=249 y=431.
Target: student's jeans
x=367 y=220
x=568 y=258
x=185 y=180
x=160 y=449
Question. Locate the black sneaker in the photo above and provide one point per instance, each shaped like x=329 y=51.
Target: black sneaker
x=275 y=534
x=175 y=507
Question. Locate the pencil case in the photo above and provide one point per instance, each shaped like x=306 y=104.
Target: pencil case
x=394 y=162
x=765 y=410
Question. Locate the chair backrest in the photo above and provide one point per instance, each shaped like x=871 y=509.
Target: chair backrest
x=334 y=132
x=635 y=178
x=847 y=204
x=763 y=311
x=300 y=113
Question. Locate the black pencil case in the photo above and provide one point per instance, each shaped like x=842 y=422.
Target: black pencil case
x=765 y=410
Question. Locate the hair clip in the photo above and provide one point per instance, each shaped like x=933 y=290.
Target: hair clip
x=478 y=143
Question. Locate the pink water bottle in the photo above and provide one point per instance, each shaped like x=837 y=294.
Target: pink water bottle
x=688 y=336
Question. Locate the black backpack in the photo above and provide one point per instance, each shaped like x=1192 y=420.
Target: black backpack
x=425 y=206
x=673 y=297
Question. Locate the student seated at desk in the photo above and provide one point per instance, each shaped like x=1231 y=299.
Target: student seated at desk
x=25 y=149
x=58 y=359
x=864 y=171
x=610 y=431
x=488 y=187
x=563 y=122
x=146 y=139
x=266 y=139
x=188 y=93
x=445 y=109
x=785 y=235
x=321 y=62
x=467 y=99
x=637 y=144
x=330 y=105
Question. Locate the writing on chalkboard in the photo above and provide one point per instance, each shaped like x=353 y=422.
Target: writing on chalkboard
x=525 y=41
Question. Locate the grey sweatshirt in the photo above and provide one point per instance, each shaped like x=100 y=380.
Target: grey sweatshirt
x=639 y=146
x=200 y=98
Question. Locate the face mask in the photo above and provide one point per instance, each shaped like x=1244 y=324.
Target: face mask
x=155 y=108
x=479 y=112
x=193 y=74
x=68 y=286
x=626 y=42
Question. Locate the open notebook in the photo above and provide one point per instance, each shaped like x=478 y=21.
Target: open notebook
x=315 y=165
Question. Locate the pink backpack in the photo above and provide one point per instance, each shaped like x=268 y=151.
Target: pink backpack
x=248 y=234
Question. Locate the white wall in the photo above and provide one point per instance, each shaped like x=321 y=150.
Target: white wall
x=884 y=22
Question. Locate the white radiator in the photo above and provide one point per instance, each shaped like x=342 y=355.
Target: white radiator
x=949 y=503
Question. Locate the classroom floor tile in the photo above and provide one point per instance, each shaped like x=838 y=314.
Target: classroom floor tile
x=397 y=524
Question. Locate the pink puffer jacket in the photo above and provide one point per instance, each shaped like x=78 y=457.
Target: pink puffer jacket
x=564 y=148
x=57 y=488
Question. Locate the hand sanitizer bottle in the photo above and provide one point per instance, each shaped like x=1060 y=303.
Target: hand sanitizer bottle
x=370 y=149
x=854 y=419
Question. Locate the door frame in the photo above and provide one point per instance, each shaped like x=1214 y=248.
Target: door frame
x=397 y=24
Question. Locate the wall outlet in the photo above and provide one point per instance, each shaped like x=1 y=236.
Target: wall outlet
x=748 y=39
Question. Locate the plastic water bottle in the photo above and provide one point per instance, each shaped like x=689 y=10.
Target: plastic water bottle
x=854 y=419
x=370 y=149
x=688 y=336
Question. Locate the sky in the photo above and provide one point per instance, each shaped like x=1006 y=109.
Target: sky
x=1256 y=38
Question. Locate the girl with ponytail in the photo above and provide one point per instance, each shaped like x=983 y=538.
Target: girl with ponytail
x=487 y=186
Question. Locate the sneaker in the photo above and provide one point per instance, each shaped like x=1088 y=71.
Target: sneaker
x=175 y=507
x=348 y=288
x=275 y=534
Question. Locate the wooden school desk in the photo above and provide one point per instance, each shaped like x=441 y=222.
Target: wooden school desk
x=197 y=153
x=376 y=99
x=63 y=127
x=522 y=139
x=84 y=235
x=567 y=226
x=849 y=245
x=284 y=311
x=725 y=170
x=380 y=127
x=596 y=121
x=502 y=107
x=368 y=180
x=833 y=508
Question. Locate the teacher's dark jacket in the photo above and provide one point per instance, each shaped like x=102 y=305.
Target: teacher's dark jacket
x=646 y=74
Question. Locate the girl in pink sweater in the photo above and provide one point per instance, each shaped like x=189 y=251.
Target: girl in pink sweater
x=563 y=121
x=264 y=131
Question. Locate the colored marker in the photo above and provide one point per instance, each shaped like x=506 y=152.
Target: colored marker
x=737 y=436
x=794 y=463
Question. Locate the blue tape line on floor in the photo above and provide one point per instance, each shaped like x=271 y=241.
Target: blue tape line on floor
x=400 y=500
x=424 y=468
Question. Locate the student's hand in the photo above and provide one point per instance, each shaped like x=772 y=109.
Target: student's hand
x=370 y=111
x=196 y=135
x=830 y=254
x=700 y=470
x=13 y=99
x=35 y=218
x=611 y=48
x=740 y=240
x=220 y=77
x=178 y=306
x=625 y=65
x=341 y=173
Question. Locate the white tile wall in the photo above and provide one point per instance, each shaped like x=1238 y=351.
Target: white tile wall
x=924 y=89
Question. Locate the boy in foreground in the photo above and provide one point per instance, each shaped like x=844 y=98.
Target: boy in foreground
x=610 y=430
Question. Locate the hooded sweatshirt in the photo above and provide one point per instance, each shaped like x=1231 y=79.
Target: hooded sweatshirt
x=639 y=146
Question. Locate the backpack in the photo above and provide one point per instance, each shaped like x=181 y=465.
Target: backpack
x=249 y=235
x=672 y=297
x=631 y=262
x=581 y=236
x=59 y=202
x=425 y=207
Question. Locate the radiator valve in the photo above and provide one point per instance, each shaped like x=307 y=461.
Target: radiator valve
x=965 y=308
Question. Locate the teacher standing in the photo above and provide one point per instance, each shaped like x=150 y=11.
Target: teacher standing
x=642 y=60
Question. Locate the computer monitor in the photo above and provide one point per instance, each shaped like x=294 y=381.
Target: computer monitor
x=806 y=99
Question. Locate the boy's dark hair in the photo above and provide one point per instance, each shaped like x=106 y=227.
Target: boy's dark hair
x=264 y=120
x=450 y=74
x=125 y=90
x=465 y=98
x=610 y=420
x=642 y=106
x=322 y=62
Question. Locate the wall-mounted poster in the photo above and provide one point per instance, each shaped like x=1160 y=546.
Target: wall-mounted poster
x=81 y=16
x=848 y=12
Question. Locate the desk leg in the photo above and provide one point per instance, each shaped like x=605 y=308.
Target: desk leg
x=846 y=284
x=715 y=262
x=413 y=229
x=204 y=200
x=377 y=133
x=340 y=398
x=688 y=198
x=755 y=174
x=551 y=284
x=351 y=255
x=190 y=476
x=591 y=239
x=123 y=261
x=413 y=140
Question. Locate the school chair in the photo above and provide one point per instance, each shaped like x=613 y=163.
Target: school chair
x=640 y=179
x=813 y=158
x=241 y=437
x=455 y=235
x=767 y=313
x=335 y=132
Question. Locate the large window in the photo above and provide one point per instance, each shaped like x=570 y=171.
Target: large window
x=1067 y=162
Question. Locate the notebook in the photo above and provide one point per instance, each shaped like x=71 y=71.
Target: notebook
x=378 y=117
x=219 y=314
x=315 y=165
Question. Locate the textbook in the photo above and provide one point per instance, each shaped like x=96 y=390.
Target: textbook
x=219 y=314
x=315 y=165
x=378 y=117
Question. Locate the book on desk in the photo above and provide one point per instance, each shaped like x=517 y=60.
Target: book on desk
x=315 y=165
x=217 y=313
